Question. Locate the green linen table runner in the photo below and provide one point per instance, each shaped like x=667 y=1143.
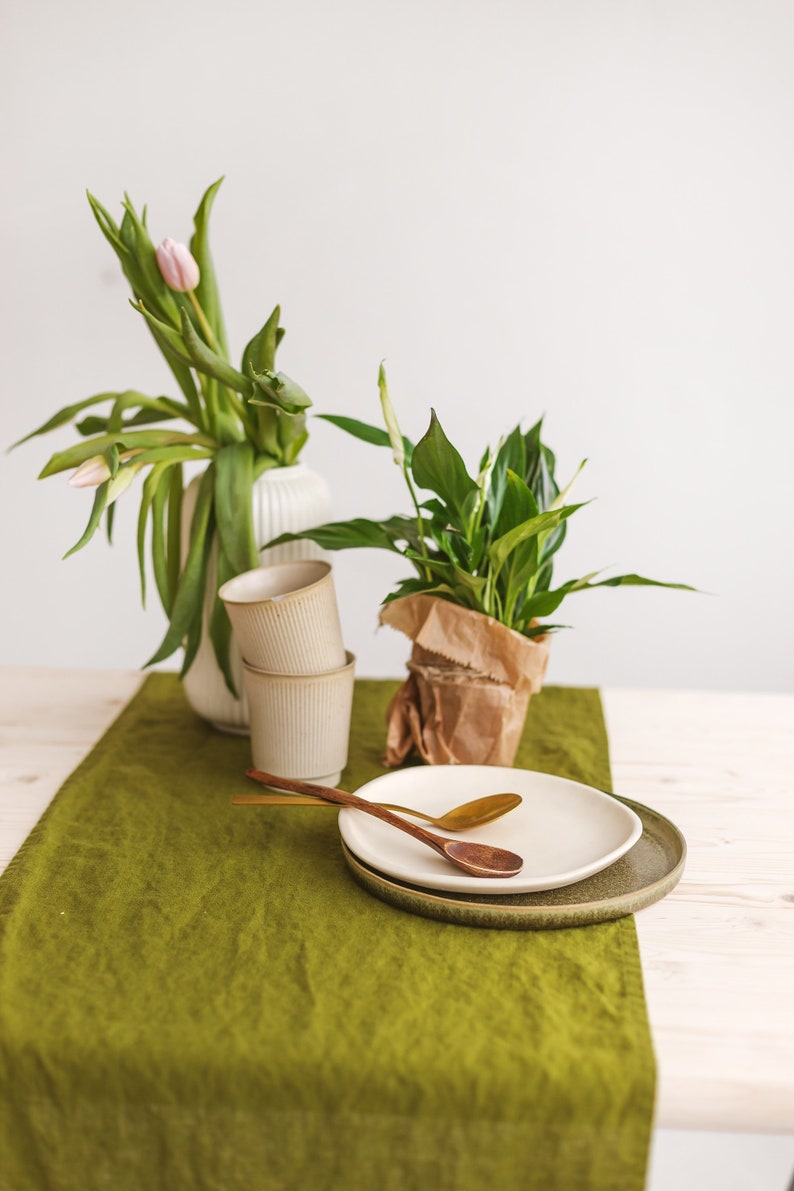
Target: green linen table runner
x=198 y=997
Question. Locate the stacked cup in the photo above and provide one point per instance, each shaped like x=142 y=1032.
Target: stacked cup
x=298 y=676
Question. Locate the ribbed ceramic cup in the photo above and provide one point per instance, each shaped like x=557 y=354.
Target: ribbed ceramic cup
x=300 y=723
x=285 y=617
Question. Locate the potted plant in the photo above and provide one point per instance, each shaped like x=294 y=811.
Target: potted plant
x=482 y=550
x=245 y=427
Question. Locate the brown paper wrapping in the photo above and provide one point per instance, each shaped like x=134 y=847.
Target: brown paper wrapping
x=466 y=698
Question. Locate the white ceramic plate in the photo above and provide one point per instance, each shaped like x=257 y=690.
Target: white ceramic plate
x=565 y=831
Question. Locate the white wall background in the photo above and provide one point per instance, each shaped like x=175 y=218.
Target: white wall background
x=583 y=208
x=580 y=208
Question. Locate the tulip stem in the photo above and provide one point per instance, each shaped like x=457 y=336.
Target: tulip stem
x=207 y=330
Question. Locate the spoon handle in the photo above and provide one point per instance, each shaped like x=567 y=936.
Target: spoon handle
x=342 y=798
x=313 y=800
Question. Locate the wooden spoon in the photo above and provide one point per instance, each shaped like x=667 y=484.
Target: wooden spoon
x=460 y=818
x=478 y=860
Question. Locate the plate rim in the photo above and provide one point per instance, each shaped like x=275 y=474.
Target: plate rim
x=506 y=885
x=463 y=910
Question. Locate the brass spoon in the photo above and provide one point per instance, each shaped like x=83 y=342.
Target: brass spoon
x=478 y=860
x=460 y=818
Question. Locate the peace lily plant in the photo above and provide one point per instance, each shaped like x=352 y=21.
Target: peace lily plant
x=486 y=543
x=240 y=422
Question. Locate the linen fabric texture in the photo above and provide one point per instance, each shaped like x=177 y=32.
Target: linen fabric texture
x=198 y=997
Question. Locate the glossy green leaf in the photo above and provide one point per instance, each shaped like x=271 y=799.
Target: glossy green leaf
x=518 y=504
x=357 y=534
x=437 y=465
x=371 y=434
x=510 y=457
x=633 y=581
x=540 y=468
x=207 y=289
x=546 y=602
x=502 y=547
x=234 y=467
x=468 y=588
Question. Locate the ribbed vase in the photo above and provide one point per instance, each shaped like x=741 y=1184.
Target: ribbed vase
x=285 y=500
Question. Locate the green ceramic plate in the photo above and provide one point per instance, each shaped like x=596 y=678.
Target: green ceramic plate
x=644 y=875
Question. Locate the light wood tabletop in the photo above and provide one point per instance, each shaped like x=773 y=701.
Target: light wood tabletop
x=717 y=953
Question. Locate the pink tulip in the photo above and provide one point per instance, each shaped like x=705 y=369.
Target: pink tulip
x=178 y=267
x=91 y=474
x=95 y=471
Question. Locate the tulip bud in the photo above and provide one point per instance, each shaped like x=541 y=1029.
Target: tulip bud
x=178 y=267
x=91 y=473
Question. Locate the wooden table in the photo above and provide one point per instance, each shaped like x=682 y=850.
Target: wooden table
x=718 y=953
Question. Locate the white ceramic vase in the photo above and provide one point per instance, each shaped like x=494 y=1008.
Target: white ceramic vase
x=285 y=500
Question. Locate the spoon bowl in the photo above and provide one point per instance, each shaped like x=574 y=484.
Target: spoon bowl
x=478 y=860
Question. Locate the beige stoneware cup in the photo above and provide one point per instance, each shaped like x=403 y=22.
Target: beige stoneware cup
x=285 y=617
x=300 y=723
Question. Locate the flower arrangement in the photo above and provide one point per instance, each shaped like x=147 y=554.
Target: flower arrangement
x=240 y=423
x=486 y=543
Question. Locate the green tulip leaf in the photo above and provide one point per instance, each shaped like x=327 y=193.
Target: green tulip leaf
x=189 y=602
x=292 y=435
x=220 y=625
x=98 y=508
x=77 y=454
x=174 y=528
x=207 y=288
x=278 y=390
x=159 y=561
x=234 y=465
x=209 y=362
x=151 y=286
x=260 y=352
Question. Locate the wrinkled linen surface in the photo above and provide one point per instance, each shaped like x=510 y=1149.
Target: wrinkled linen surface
x=198 y=997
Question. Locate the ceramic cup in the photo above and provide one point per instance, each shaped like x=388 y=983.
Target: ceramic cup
x=285 y=617
x=300 y=723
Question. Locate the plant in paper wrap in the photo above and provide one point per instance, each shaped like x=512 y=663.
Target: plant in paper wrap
x=482 y=550
x=236 y=422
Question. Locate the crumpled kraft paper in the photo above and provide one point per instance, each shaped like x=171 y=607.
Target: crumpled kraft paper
x=470 y=681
